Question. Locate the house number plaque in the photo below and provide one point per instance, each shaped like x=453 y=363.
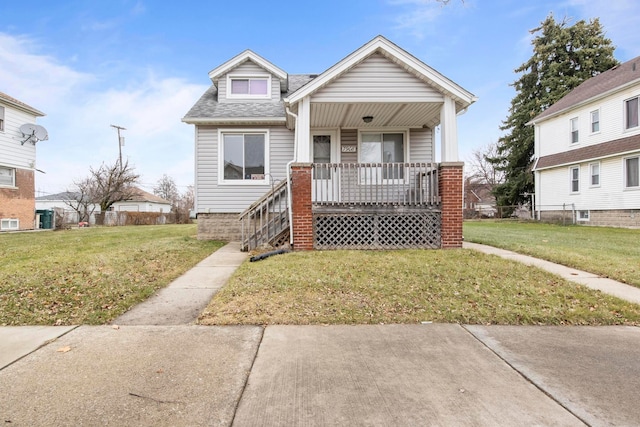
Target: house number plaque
x=349 y=148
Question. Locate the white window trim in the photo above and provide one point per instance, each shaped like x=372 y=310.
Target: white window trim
x=231 y=77
x=2 y=120
x=591 y=185
x=580 y=218
x=243 y=182
x=571 y=130
x=571 y=168
x=624 y=113
x=405 y=136
x=13 y=184
x=592 y=132
x=624 y=173
x=4 y=220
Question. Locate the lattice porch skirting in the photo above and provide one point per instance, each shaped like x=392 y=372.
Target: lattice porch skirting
x=377 y=228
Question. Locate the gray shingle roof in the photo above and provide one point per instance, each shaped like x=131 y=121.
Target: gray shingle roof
x=208 y=107
x=617 y=76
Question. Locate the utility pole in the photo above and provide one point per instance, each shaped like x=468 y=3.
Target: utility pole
x=120 y=141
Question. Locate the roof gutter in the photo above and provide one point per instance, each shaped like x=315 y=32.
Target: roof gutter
x=295 y=159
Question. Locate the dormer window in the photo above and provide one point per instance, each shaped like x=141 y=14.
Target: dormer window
x=249 y=87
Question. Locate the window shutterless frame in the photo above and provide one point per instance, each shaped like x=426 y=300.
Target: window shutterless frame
x=631 y=113
x=243 y=157
x=248 y=86
x=7 y=177
x=575 y=136
x=574 y=177
x=631 y=173
x=595 y=121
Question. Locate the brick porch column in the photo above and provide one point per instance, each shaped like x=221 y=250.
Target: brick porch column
x=450 y=189
x=301 y=206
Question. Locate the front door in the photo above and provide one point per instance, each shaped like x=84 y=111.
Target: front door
x=325 y=177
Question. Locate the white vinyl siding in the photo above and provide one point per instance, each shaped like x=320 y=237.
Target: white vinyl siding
x=212 y=197
x=15 y=154
x=377 y=79
x=553 y=188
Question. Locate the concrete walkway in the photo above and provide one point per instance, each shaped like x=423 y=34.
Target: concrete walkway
x=590 y=280
x=143 y=372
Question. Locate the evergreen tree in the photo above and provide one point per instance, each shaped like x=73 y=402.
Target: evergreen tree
x=563 y=57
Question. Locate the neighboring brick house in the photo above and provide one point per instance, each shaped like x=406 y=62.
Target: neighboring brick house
x=17 y=165
x=587 y=151
x=350 y=150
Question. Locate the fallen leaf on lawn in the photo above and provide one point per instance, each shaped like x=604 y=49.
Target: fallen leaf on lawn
x=64 y=349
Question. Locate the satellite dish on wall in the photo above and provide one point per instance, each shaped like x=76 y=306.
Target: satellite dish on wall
x=34 y=133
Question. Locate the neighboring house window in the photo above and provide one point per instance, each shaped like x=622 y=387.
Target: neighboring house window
x=249 y=87
x=631 y=113
x=9 y=224
x=595 y=121
x=632 y=172
x=244 y=156
x=574 y=173
x=384 y=148
x=7 y=177
x=583 y=215
x=1 y=119
x=574 y=130
x=594 y=172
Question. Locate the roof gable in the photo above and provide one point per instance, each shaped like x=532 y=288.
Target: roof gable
x=395 y=54
x=243 y=57
x=612 y=80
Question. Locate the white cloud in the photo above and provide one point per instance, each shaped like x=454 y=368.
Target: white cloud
x=80 y=108
x=416 y=15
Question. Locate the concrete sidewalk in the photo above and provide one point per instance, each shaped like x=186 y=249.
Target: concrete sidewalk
x=142 y=374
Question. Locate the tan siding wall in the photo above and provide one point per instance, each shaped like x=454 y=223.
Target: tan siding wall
x=377 y=79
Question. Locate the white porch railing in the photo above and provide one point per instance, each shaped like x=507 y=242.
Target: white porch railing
x=401 y=184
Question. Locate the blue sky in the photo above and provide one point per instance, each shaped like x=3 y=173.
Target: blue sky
x=142 y=64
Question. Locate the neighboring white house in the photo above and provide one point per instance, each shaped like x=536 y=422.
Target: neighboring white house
x=587 y=151
x=17 y=164
x=142 y=201
x=360 y=136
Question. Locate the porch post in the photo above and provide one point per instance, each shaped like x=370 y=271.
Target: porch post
x=450 y=188
x=301 y=206
x=304 y=129
x=449 y=131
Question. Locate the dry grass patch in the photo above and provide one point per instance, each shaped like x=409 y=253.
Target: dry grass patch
x=412 y=286
x=90 y=275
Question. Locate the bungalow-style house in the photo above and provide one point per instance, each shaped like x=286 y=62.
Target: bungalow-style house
x=341 y=159
x=143 y=201
x=587 y=151
x=17 y=164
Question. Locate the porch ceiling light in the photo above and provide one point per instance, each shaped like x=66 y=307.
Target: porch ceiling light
x=367 y=119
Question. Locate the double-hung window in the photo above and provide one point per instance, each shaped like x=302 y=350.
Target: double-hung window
x=7 y=177
x=574 y=174
x=248 y=87
x=574 y=130
x=595 y=121
x=594 y=173
x=632 y=172
x=244 y=155
x=631 y=113
x=1 y=118
x=385 y=148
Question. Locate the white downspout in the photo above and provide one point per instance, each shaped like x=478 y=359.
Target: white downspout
x=295 y=159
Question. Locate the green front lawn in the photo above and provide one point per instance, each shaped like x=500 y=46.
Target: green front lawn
x=609 y=252
x=90 y=275
x=410 y=286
